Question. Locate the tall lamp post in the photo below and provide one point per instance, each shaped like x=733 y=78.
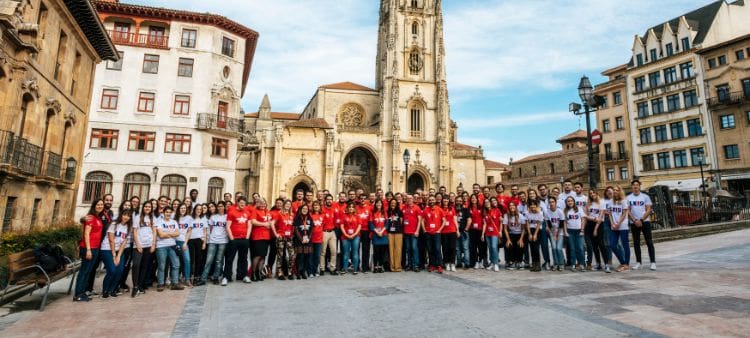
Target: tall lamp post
x=590 y=104
x=701 y=159
x=407 y=157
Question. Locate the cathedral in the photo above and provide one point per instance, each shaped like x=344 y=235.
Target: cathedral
x=350 y=136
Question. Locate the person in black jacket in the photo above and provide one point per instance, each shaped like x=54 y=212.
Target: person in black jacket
x=303 y=224
x=395 y=227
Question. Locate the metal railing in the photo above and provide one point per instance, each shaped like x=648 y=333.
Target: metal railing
x=140 y=40
x=614 y=157
x=27 y=157
x=53 y=165
x=70 y=170
x=684 y=212
x=216 y=123
x=728 y=99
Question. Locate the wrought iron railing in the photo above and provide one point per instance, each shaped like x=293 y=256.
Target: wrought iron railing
x=606 y=157
x=53 y=164
x=218 y=123
x=27 y=157
x=726 y=99
x=140 y=40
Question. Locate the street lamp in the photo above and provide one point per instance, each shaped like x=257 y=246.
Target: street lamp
x=155 y=171
x=590 y=103
x=701 y=159
x=407 y=157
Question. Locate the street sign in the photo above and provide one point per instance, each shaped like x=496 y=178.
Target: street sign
x=596 y=137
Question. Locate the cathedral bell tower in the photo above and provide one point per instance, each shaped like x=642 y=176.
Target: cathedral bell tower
x=411 y=79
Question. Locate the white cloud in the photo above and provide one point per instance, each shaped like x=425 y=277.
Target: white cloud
x=515 y=120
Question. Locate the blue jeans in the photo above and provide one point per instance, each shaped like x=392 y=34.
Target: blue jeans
x=161 y=260
x=557 y=249
x=434 y=248
x=622 y=253
x=462 y=249
x=87 y=268
x=215 y=256
x=351 y=250
x=575 y=242
x=412 y=250
x=544 y=238
x=313 y=260
x=185 y=259
x=492 y=242
x=114 y=272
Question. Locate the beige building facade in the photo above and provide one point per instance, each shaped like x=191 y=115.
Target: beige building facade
x=612 y=121
x=48 y=51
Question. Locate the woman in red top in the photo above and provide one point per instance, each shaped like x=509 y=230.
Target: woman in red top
x=350 y=238
x=449 y=234
x=491 y=233
x=89 y=248
x=497 y=216
x=379 y=233
x=302 y=232
x=260 y=238
x=477 y=245
x=316 y=239
x=282 y=230
x=278 y=203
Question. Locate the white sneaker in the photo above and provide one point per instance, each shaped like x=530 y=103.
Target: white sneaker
x=653 y=266
x=246 y=279
x=224 y=282
x=489 y=267
x=495 y=268
x=636 y=266
x=476 y=266
x=453 y=267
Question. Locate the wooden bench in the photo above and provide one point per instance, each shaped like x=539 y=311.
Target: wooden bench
x=26 y=275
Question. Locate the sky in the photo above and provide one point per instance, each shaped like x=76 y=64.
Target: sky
x=512 y=66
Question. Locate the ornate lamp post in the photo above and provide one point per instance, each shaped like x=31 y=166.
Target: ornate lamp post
x=407 y=157
x=590 y=103
x=155 y=171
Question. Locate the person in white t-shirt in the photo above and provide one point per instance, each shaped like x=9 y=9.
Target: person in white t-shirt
x=217 y=243
x=574 y=227
x=197 y=241
x=112 y=250
x=618 y=213
x=594 y=218
x=144 y=239
x=640 y=213
x=167 y=230
x=514 y=227
x=555 y=218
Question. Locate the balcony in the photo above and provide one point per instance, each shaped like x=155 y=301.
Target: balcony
x=663 y=88
x=53 y=164
x=140 y=40
x=70 y=170
x=728 y=99
x=226 y=125
x=18 y=153
x=614 y=157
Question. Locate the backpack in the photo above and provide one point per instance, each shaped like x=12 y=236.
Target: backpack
x=50 y=258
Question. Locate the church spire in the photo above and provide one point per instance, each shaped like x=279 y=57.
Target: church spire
x=264 y=112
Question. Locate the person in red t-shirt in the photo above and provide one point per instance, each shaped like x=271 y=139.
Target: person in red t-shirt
x=363 y=215
x=282 y=230
x=449 y=235
x=239 y=234
x=491 y=233
x=260 y=238
x=477 y=245
x=329 y=236
x=379 y=232
x=299 y=199
x=316 y=238
x=350 y=227
x=433 y=222
x=476 y=190
x=412 y=219
x=89 y=245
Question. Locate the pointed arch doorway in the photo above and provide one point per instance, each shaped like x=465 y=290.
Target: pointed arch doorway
x=360 y=170
x=415 y=181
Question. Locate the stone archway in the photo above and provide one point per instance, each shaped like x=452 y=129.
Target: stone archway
x=415 y=181
x=360 y=170
x=304 y=182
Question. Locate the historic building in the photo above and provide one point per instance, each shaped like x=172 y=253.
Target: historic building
x=670 y=123
x=351 y=136
x=166 y=116
x=613 y=122
x=553 y=168
x=48 y=52
x=727 y=82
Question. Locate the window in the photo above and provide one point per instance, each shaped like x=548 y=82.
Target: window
x=146 y=102
x=640 y=83
x=727 y=121
x=680 y=158
x=694 y=127
x=151 y=63
x=570 y=166
x=112 y=65
x=642 y=109
x=685 y=44
x=156 y=36
x=645 y=135
x=185 y=67
x=222 y=114
x=605 y=126
x=722 y=60
x=722 y=92
x=639 y=60
x=711 y=63
x=619 y=123
x=678 y=131
x=648 y=162
x=414 y=28
x=608 y=151
x=136 y=184
x=740 y=54
x=215 y=189
x=686 y=70
x=414 y=3
x=654 y=79
x=746 y=87
x=731 y=152
x=141 y=141
x=35 y=212
x=219 y=147
x=657 y=106
x=62 y=46
x=109 y=98
x=673 y=102
x=103 y=139
x=41 y=18
x=121 y=33
x=690 y=98
x=188 y=38
x=610 y=174
x=177 y=143
x=660 y=133
x=227 y=47
x=670 y=49
x=181 y=105
x=663 y=160
x=55 y=211
x=96 y=185
x=670 y=75
x=173 y=186
x=551 y=168
x=623 y=173
x=652 y=52
x=415 y=126
x=697 y=156
x=621 y=149
x=617 y=98
x=415 y=63
x=605 y=102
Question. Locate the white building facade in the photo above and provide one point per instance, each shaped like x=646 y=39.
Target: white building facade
x=165 y=118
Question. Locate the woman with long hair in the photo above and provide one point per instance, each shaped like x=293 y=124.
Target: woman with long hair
x=89 y=246
x=167 y=230
x=185 y=223
x=379 y=232
x=112 y=252
x=303 y=224
x=514 y=227
x=575 y=230
x=449 y=235
x=197 y=241
x=555 y=218
x=260 y=239
x=144 y=238
x=535 y=222
x=316 y=239
x=217 y=243
x=593 y=215
x=619 y=212
x=462 y=217
x=477 y=246
x=490 y=234
x=395 y=227
x=350 y=238
x=282 y=228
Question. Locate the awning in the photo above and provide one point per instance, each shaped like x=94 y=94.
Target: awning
x=692 y=184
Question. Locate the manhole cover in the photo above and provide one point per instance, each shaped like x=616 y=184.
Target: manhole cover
x=377 y=292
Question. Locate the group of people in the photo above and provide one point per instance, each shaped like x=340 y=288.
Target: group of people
x=182 y=243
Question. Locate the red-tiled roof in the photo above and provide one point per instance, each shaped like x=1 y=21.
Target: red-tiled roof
x=347 y=86
x=576 y=135
x=462 y=146
x=494 y=165
x=310 y=123
x=539 y=156
x=278 y=116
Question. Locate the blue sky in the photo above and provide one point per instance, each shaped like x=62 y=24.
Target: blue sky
x=513 y=66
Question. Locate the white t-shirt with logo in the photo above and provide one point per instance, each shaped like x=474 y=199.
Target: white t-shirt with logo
x=514 y=224
x=574 y=219
x=617 y=209
x=554 y=218
x=535 y=219
x=218 y=233
x=145 y=232
x=121 y=235
x=638 y=204
x=185 y=223
x=199 y=225
x=168 y=227
x=593 y=211
x=581 y=201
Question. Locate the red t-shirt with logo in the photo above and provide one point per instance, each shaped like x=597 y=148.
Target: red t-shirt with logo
x=284 y=224
x=433 y=219
x=261 y=233
x=378 y=219
x=239 y=226
x=450 y=220
x=476 y=219
x=296 y=205
x=493 y=227
x=363 y=217
x=411 y=218
x=339 y=212
x=317 y=231
x=329 y=218
x=350 y=224
x=497 y=217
